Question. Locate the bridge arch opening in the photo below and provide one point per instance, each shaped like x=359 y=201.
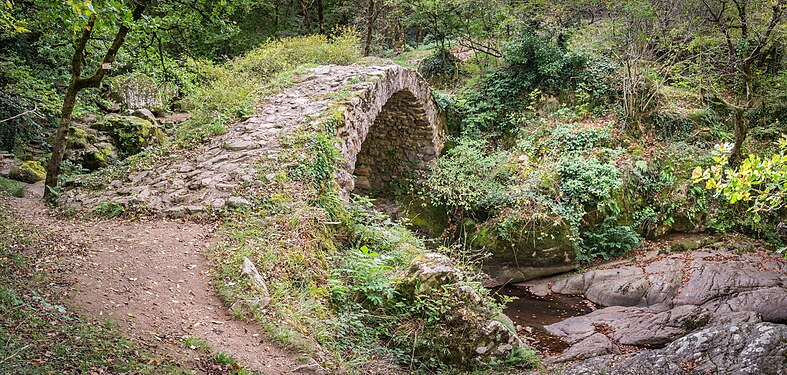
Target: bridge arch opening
x=399 y=145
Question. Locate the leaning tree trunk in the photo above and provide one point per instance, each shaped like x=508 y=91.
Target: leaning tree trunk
x=77 y=84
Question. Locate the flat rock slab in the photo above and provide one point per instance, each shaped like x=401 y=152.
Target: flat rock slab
x=719 y=281
x=736 y=348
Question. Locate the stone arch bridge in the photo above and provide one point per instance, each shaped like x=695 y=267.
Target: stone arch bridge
x=392 y=127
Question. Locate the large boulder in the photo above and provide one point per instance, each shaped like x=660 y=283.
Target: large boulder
x=131 y=134
x=525 y=251
x=89 y=148
x=28 y=171
x=736 y=348
x=720 y=281
x=602 y=330
x=471 y=331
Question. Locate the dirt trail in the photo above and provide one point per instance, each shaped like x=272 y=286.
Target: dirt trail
x=150 y=278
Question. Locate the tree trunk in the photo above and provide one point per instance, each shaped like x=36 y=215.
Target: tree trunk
x=306 y=17
x=76 y=85
x=370 y=18
x=741 y=128
x=321 y=16
x=59 y=147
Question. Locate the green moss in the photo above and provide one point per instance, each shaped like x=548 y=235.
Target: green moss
x=29 y=171
x=132 y=134
x=426 y=218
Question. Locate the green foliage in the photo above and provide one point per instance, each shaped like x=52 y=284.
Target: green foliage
x=108 y=210
x=469 y=177
x=589 y=181
x=224 y=359
x=11 y=188
x=535 y=61
x=759 y=181
x=607 y=240
x=440 y=67
x=195 y=343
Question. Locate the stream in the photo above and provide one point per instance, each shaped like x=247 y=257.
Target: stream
x=530 y=313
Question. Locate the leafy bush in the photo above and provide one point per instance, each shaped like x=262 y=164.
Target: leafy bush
x=442 y=66
x=607 y=240
x=588 y=181
x=759 y=181
x=470 y=178
x=535 y=62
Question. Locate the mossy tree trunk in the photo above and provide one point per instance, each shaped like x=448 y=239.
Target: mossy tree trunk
x=77 y=84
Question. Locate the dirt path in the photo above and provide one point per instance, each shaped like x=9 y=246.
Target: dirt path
x=151 y=279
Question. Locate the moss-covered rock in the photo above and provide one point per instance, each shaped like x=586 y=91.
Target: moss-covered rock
x=472 y=330
x=29 y=171
x=524 y=250
x=131 y=134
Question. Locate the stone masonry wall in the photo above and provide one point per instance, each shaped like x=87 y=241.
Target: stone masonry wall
x=214 y=175
x=399 y=143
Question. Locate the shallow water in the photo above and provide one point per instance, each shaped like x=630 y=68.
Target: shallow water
x=531 y=313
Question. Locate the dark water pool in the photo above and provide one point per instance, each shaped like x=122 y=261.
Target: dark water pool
x=531 y=313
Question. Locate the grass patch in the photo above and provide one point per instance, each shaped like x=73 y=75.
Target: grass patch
x=39 y=335
x=195 y=343
x=12 y=188
x=108 y=210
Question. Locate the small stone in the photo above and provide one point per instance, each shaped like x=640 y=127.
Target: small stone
x=144 y=113
x=218 y=203
x=237 y=202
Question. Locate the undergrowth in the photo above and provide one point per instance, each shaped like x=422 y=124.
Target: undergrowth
x=11 y=188
x=334 y=271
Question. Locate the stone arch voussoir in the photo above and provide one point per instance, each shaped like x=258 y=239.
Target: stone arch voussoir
x=391 y=128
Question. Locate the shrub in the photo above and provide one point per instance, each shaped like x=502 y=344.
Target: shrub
x=442 y=66
x=607 y=240
x=535 y=62
x=470 y=178
x=588 y=181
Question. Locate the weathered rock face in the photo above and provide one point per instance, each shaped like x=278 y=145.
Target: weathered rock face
x=472 y=332
x=736 y=348
x=665 y=301
x=603 y=331
x=208 y=177
x=719 y=281
x=538 y=250
x=89 y=148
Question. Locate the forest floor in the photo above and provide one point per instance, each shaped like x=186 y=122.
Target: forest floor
x=151 y=278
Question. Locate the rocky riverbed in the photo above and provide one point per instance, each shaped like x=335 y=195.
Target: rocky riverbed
x=715 y=309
